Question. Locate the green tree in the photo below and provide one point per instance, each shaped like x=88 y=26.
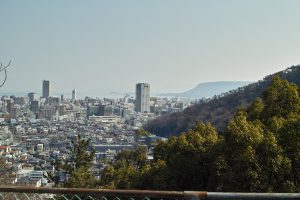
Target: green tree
x=241 y=140
x=190 y=158
x=289 y=138
x=255 y=110
x=126 y=169
x=255 y=160
x=5 y=171
x=155 y=176
x=78 y=165
x=257 y=152
x=142 y=132
x=280 y=99
x=275 y=166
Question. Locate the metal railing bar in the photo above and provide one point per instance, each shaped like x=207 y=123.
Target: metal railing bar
x=252 y=196
x=98 y=192
x=190 y=195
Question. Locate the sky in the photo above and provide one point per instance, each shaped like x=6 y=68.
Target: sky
x=109 y=46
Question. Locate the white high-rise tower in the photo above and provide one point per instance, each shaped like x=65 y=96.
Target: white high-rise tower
x=74 y=95
x=142 y=98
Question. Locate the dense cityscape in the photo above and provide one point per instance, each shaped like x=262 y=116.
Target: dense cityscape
x=36 y=131
x=149 y=100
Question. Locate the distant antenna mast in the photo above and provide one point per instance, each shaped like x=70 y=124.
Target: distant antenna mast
x=3 y=68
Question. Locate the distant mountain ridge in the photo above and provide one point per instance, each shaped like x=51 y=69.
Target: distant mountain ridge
x=209 y=89
x=219 y=109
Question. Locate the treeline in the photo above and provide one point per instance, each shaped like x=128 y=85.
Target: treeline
x=218 y=110
x=257 y=151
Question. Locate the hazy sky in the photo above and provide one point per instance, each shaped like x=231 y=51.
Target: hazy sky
x=96 y=46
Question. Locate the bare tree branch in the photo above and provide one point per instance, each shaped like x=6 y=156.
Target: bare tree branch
x=2 y=67
x=4 y=79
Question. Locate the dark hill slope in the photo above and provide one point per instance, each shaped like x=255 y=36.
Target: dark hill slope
x=219 y=109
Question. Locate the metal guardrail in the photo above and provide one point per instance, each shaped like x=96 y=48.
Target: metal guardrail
x=33 y=193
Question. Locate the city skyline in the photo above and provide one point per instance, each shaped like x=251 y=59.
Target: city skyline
x=149 y=99
x=110 y=46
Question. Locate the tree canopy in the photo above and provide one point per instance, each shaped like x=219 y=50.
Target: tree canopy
x=221 y=108
x=78 y=166
x=258 y=151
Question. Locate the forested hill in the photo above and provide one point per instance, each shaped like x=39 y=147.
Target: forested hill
x=219 y=109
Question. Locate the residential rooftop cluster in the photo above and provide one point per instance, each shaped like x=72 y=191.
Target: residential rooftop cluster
x=35 y=131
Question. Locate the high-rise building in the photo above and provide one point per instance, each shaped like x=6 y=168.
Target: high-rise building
x=34 y=106
x=61 y=109
x=54 y=100
x=100 y=110
x=9 y=105
x=46 y=112
x=74 y=95
x=46 y=89
x=93 y=110
x=142 y=98
x=106 y=110
x=33 y=96
x=13 y=112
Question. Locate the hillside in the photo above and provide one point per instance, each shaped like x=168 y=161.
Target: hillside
x=217 y=110
x=209 y=89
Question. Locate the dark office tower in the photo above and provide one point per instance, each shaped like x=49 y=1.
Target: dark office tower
x=74 y=95
x=105 y=110
x=33 y=96
x=13 y=112
x=46 y=89
x=142 y=98
x=93 y=110
x=34 y=106
x=9 y=105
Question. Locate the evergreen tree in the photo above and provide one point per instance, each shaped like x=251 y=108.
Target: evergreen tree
x=78 y=166
x=258 y=152
x=281 y=99
x=190 y=159
x=289 y=138
x=125 y=171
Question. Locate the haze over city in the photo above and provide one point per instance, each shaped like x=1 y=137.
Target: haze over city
x=157 y=99
x=104 y=46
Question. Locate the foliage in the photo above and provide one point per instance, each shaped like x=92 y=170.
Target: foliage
x=196 y=151
x=281 y=99
x=6 y=172
x=254 y=159
x=219 y=109
x=258 y=151
x=142 y=132
x=126 y=169
x=78 y=166
x=289 y=138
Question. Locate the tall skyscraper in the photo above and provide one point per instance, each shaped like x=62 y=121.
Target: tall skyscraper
x=74 y=95
x=34 y=106
x=142 y=98
x=33 y=96
x=46 y=89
